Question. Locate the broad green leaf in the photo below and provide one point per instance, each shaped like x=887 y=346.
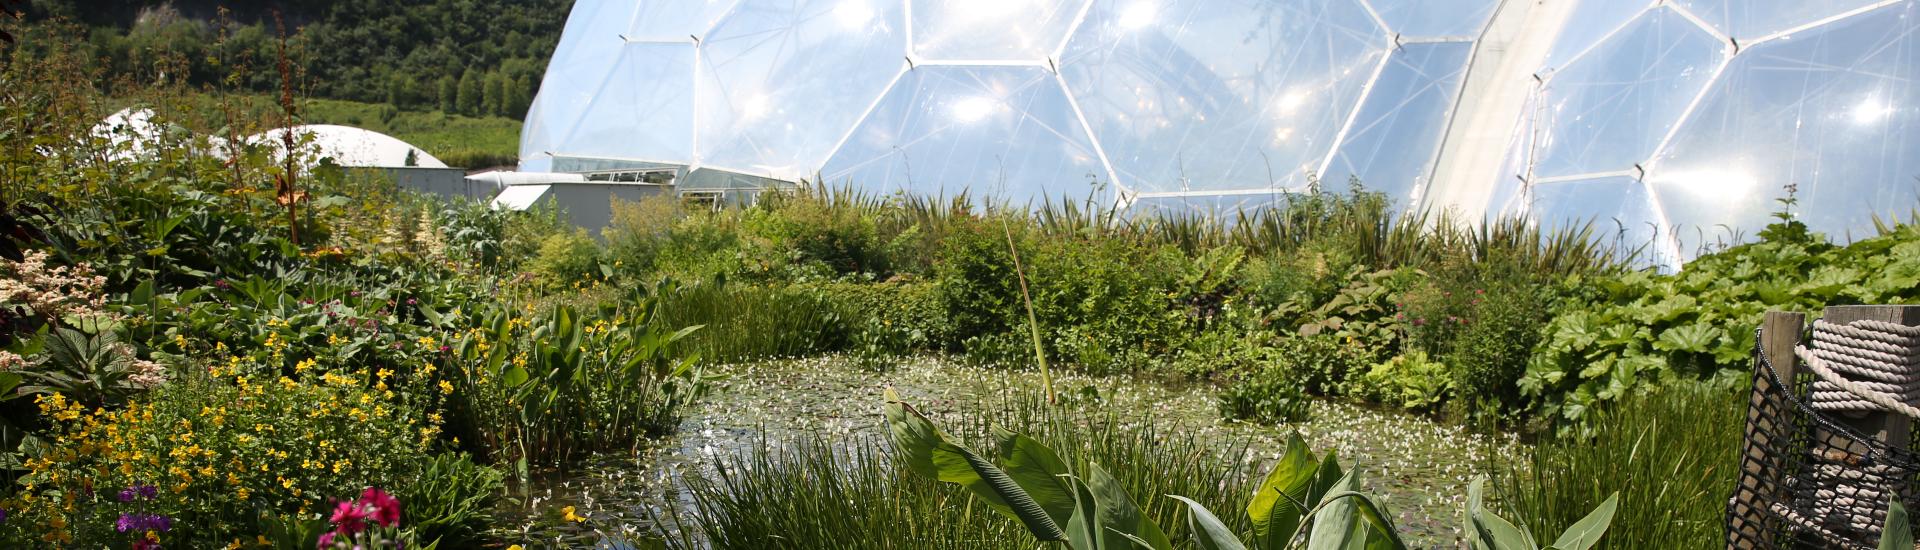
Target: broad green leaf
x=1038 y=470
x=1584 y=533
x=1207 y=528
x=928 y=452
x=1488 y=531
x=1118 y=517
x=1349 y=520
x=1274 y=508
x=1898 y=534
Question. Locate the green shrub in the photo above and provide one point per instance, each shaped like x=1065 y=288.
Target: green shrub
x=1410 y=381
x=567 y=260
x=1490 y=353
x=1272 y=394
x=1643 y=330
x=1323 y=364
x=450 y=504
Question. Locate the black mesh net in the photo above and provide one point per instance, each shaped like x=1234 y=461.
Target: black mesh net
x=1812 y=478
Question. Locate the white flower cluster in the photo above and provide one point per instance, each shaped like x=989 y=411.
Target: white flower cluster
x=53 y=293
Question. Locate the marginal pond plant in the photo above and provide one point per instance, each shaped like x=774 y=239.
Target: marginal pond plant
x=1304 y=502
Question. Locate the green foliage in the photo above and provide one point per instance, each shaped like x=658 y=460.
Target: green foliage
x=1272 y=393
x=567 y=259
x=1410 y=381
x=216 y=449
x=451 y=502
x=813 y=493
x=548 y=389
x=1486 y=531
x=1645 y=330
x=395 y=53
x=1674 y=453
x=745 y=322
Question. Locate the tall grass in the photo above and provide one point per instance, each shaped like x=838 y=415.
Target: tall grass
x=814 y=493
x=1673 y=455
x=746 y=322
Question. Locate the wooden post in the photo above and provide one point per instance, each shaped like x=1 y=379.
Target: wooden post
x=1781 y=332
x=1894 y=429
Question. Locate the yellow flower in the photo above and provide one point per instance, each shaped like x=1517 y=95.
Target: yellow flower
x=568 y=515
x=446 y=387
x=516 y=547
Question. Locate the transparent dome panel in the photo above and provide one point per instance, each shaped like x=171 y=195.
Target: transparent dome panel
x=1610 y=108
x=998 y=133
x=593 y=28
x=1224 y=208
x=1621 y=210
x=1435 y=18
x=1028 y=30
x=1747 y=19
x=1210 y=95
x=566 y=91
x=1392 y=145
x=783 y=81
x=642 y=111
x=1835 y=111
x=1592 y=21
x=675 y=20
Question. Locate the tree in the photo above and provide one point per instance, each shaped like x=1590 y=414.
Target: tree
x=470 y=93
x=496 y=96
x=449 y=95
x=522 y=97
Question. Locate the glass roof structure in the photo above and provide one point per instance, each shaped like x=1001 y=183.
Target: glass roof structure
x=1651 y=116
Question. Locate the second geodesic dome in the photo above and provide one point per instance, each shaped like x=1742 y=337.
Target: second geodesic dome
x=1653 y=114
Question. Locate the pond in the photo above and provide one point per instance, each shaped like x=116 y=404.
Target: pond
x=1420 y=467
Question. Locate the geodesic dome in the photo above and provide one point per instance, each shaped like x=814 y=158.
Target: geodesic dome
x=1655 y=113
x=352 y=147
x=1684 y=120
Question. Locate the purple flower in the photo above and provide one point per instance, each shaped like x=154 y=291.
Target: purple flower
x=3 y=515
x=126 y=495
x=148 y=491
x=138 y=491
x=132 y=522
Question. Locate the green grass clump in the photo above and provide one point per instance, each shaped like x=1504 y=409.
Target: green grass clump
x=745 y=322
x=814 y=493
x=1672 y=455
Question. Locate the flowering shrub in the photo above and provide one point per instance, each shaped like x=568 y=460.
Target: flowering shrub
x=30 y=290
x=216 y=453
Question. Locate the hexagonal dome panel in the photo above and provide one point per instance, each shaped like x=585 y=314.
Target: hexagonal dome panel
x=673 y=20
x=999 y=133
x=781 y=81
x=1609 y=108
x=1747 y=19
x=1835 y=111
x=1428 y=18
x=1396 y=135
x=1207 y=95
x=1591 y=22
x=642 y=111
x=1622 y=211
x=994 y=30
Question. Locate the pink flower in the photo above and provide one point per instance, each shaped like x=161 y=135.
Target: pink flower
x=326 y=540
x=385 y=508
x=349 y=518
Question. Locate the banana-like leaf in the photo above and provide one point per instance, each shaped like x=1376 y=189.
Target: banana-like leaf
x=1119 y=519
x=928 y=452
x=1489 y=532
x=1584 y=533
x=1898 y=533
x=1349 y=520
x=1276 y=505
x=1039 y=471
x=1208 y=530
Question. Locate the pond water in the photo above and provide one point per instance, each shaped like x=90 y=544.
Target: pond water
x=1419 y=467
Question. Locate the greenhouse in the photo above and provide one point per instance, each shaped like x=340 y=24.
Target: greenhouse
x=1677 y=122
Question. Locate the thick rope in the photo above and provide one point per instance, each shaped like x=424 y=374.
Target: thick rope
x=1859 y=367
